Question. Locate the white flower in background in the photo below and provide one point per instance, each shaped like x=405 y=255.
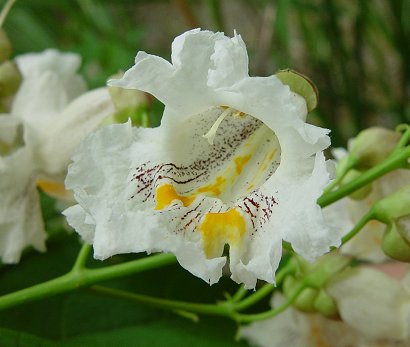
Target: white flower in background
x=297 y=329
x=373 y=303
x=47 y=120
x=345 y=213
x=374 y=308
x=233 y=162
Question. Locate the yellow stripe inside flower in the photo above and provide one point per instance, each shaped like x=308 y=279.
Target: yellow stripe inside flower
x=267 y=159
x=247 y=169
x=220 y=228
x=166 y=194
x=240 y=162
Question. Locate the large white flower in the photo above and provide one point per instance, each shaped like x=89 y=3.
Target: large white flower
x=47 y=120
x=233 y=162
x=374 y=310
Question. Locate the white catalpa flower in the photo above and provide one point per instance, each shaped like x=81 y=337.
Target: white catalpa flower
x=48 y=118
x=374 y=310
x=372 y=302
x=233 y=162
x=346 y=213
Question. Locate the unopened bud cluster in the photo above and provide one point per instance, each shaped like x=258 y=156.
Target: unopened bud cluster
x=314 y=297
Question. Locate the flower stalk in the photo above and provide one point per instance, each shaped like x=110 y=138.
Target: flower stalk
x=80 y=277
x=397 y=160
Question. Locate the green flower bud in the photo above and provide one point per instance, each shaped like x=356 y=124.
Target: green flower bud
x=5 y=46
x=325 y=305
x=326 y=267
x=361 y=193
x=305 y=300
x=10 y=79
x=395 y=242
x=404 y=227
x=372 y=146
x=301 y=85
x=393 y=206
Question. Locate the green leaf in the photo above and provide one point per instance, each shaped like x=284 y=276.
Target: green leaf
x=83 y=318
x=11 y=338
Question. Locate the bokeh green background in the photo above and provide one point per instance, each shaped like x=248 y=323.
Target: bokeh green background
x=356 y=52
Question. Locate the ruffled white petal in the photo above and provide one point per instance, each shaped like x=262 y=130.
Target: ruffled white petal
x=21 y=222
x=124 y=225
x=78 y=119
x=37 y=140
x=168 y=189
x=49 y=84
x=64 y=65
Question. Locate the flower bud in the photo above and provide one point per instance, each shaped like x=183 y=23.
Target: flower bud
x=10 y=79
x=395 y=244
x=325 y=268
x=393 y=206
x=5 y=46
x=305 y=300
x=325 y=305
x=373 y=145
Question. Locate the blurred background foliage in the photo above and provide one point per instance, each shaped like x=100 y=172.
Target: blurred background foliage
x=356 y=52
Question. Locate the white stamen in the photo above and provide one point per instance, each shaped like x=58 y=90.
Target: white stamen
x=210 y=135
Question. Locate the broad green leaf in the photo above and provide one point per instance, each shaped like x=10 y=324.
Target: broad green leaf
x=85 y=319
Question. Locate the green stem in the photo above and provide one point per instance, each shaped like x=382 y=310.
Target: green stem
x=240 y=293
x=395 y=161
x=213 y=309
x=82 y=257
x=5 y=11
x=79 y=277
x=245 y=318
x=405 y=137
x=350 y=164
x=227 y=308
x=359 y=226
x=266 y=289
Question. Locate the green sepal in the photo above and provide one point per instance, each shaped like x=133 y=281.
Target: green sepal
x=301 y=85
x=305 y=300
x=393 y=206
x=10 y=79
x=5 y=46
